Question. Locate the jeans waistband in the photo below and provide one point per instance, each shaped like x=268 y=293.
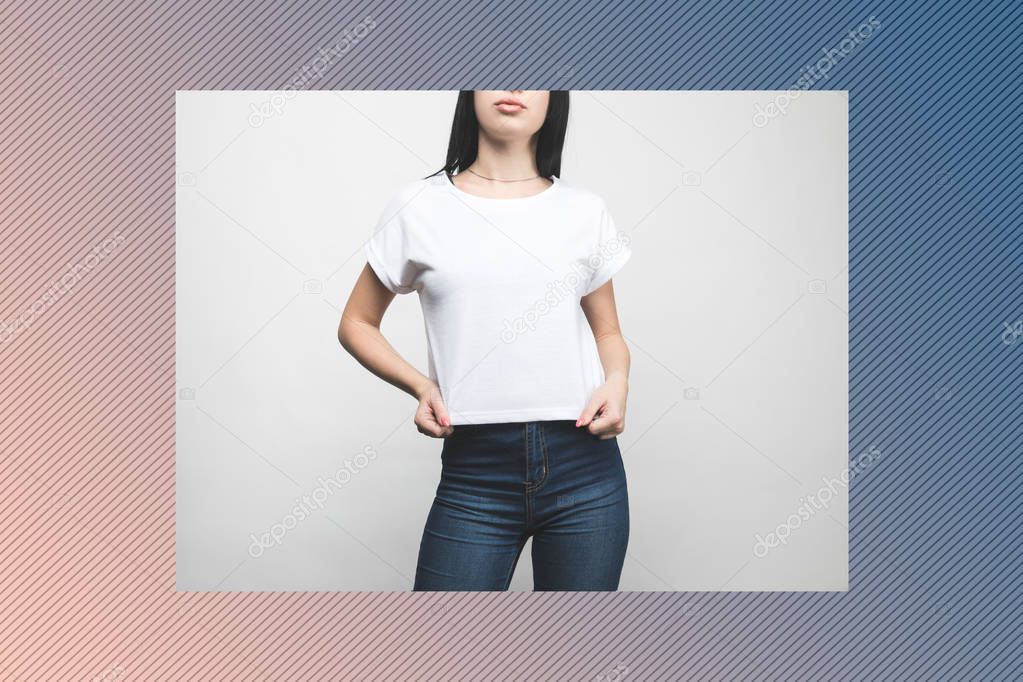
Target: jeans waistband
x=514 y=426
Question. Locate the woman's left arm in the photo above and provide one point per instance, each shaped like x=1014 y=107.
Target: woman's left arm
x=604 y=415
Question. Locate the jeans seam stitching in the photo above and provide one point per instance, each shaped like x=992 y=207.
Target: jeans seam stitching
x=528 y=489
x=543 y=455
x=525 y=442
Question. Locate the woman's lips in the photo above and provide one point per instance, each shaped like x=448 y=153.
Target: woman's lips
x=509 y=106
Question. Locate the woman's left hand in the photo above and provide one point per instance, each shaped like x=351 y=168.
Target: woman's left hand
x=604 y=415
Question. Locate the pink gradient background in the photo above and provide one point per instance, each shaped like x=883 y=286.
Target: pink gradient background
x=87 y=584
x=87 y=489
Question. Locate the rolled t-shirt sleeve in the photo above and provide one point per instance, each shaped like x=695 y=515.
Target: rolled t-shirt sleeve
x=388 y=252
x=611 y=253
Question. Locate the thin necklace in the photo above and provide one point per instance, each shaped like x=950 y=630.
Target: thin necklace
x=500 y=180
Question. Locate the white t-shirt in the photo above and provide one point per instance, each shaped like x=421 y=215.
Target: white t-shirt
x=499 y=281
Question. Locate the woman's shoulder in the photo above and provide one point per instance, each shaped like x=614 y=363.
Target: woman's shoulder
x=412 y=189
x=405 y=197
x=580 y=195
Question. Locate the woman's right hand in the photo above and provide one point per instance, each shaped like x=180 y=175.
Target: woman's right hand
x=432 y=417
x=359 y=334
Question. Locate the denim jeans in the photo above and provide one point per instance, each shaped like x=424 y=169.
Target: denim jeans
x=504 y=483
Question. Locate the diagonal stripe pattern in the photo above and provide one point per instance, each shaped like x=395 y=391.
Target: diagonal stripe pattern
x=87 y=587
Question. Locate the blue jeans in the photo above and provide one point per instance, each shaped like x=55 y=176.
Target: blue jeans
x=504 y=483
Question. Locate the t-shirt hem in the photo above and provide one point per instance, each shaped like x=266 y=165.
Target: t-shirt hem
x=506 y=416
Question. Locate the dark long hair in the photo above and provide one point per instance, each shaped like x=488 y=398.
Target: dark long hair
x=465 y=131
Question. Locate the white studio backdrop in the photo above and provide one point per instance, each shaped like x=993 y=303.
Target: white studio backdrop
x=298 y=470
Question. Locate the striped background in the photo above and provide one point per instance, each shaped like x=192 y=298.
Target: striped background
x=87 y=402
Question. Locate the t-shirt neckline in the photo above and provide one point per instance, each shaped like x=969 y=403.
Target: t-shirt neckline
x=512 y=201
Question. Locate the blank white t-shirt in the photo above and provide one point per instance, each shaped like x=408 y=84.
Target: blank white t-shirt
x=500 y=281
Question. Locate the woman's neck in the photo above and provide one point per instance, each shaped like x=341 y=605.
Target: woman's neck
x=505 y=160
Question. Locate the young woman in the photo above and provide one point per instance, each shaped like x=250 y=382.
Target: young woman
x=528 y=371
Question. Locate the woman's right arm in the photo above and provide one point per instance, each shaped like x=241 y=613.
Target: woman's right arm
x=359 y=334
